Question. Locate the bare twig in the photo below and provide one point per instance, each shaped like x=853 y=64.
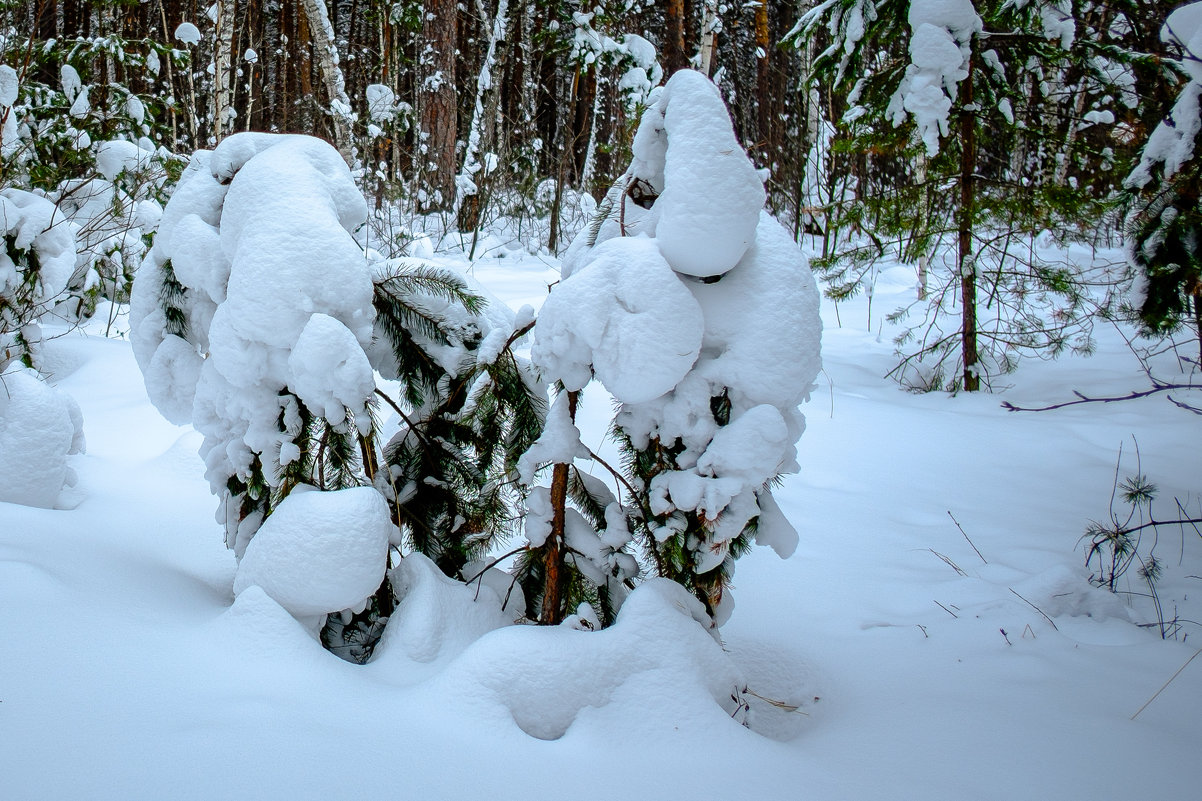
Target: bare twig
x=945 y=609
x=970 y=542
x=1036 y=608
x=1166 y=684
x=948 y=562
x=778 y=704
x=1157 y=387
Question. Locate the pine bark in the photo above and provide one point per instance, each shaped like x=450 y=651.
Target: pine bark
x=438 y=101
x=555 y=550
x=675 y=57
x=968 y=271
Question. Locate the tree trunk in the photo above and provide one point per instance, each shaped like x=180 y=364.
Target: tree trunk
x=709 y=36
x=554 y=569
x=968 y=271
x=222 y=73
x=439 y=125
x=675 y=57
x=326 y=47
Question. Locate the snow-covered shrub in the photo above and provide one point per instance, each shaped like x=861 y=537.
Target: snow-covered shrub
x=91 y=147
x=35 y=267
x=116 y=212
x=52 y=125
x=258 y=318
x=697 y=311
x=251 y=318
x=40 y=426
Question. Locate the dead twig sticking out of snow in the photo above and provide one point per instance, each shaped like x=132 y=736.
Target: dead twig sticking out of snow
x=948 y=562
x=1036 y=608
x=970 y=542
x=778 y=704
x=1166 y=684
x=945 y=609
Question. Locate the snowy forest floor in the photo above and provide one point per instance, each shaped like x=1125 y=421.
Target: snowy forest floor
x=920 y=668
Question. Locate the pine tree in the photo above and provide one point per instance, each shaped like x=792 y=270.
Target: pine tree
x=967 y=146
x=698 y=314
x=1164 y=220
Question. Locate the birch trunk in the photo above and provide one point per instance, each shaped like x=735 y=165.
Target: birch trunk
x=484 y=84
x=222 y=72
x=326 y=47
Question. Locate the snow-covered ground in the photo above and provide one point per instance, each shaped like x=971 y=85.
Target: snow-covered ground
x=919 y=668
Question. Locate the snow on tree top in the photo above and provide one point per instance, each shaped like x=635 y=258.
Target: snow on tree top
x=712 y=195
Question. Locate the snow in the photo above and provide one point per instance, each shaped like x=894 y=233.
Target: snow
x=559 y=442
x=626 y=315
x=157 y=683
x=712 y=195
x=319 y=552
x=40 y=427
x=941 y=33
x=115 y=156
x=330 y=372
x=187 y=33
x=9 y=84
x=35 y=224
x=277 y=300
x=381 y=103
x=71 y=81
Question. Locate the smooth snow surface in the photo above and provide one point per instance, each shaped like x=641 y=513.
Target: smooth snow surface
x=128 y=670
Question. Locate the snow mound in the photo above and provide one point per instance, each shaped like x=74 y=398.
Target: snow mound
x=40 y=426
x=319 y=552
x=436 y=617
x=657 y=664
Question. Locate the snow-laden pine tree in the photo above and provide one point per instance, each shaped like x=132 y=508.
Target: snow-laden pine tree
x=1164 y=224
x=698 y=313
x=40 y=426
x=261 y=320
x=250 y=319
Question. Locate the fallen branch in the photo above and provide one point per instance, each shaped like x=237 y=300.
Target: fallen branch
x=1158 y=386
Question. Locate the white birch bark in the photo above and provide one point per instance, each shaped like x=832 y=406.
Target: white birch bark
x=222 y=73
x=471 y=157
x=326 y=48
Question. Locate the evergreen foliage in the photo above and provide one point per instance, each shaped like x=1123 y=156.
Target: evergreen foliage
x=1163 y=204
x=1021 y=161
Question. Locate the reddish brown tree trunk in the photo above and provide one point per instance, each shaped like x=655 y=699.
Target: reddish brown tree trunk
x=675 y=57
x=554 y=550
x=439 y=123
x=968 y=272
